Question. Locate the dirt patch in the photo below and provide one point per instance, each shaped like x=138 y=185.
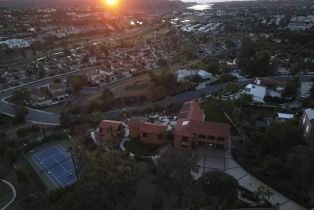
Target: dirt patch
x=140 y=86
x=136 y=88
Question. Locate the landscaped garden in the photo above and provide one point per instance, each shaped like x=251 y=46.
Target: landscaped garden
x=213 y=112
x=139 y=149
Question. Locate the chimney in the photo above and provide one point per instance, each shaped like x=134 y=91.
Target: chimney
x=258 y=81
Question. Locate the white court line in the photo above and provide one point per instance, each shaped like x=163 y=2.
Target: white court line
x=47 y=169
x=72 y=181
x=37 y=161
x=63 y=185
x=53 y=156
x=59 y=163
x=38 y=153
x=53 y=174
x=62 y=151
x=13 y=191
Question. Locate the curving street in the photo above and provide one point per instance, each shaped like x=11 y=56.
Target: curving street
x=13 y=194
x=41 y=117
x=191 y=95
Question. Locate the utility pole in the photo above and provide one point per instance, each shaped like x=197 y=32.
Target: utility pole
x=44 y=133
x=100 y=130
x=75 y=167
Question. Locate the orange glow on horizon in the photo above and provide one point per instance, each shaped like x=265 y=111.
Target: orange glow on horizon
x=111 y=3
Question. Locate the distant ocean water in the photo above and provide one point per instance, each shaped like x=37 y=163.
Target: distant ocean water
x=207 y=4
x=210 y=1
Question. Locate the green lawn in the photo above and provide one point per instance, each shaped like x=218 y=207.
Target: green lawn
x=212 y=113
x=139 y=149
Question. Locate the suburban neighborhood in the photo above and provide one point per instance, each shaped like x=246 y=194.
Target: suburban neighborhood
x=156 y=105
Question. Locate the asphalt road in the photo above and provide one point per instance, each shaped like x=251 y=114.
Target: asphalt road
x=190 y=95
x=41 y=117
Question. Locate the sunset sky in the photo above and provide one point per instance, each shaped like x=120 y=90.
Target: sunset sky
x=209 y=1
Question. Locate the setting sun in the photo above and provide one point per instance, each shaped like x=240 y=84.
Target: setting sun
x=111 y=3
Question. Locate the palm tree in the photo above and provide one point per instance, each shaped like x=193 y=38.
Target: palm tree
x=111 y=132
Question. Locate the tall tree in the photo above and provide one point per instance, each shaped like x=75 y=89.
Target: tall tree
x=20 y=96
x=212 y=65
x=76 y=83
x=220 y=188
x=106 y=183
x=244 y=99
x=20 y=114
x=174 y=172
x=247 y=50
x=259 y=65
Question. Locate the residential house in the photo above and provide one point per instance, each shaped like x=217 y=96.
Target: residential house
x=264 y=87
x=284 y=116
x=40 y=98
x=92 y=59
x=232 y=65
x=258 y=92
x=148 y=133
x=183 y=74
x=94 y=76
x=99 y=76
x=58 y=90
x=109 y=131
x=192 y=131
x=307 y=124
x=277 y=85
x=305 y=89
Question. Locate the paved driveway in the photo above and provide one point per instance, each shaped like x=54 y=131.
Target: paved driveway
x=211 y=159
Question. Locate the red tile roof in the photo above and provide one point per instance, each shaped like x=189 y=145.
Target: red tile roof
x=201 y=128
x=110 y=123
x=192 y=111
x=278 y=83
x=146 y=127
x=152 y=128
x=194 y=123
x=134 y=123
x=38 y=92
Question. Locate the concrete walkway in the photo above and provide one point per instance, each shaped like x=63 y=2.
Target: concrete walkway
x=251 y=183
x=212 y=159
x=13 y=191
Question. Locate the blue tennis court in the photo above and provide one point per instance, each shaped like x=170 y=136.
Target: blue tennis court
x=57 y=164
